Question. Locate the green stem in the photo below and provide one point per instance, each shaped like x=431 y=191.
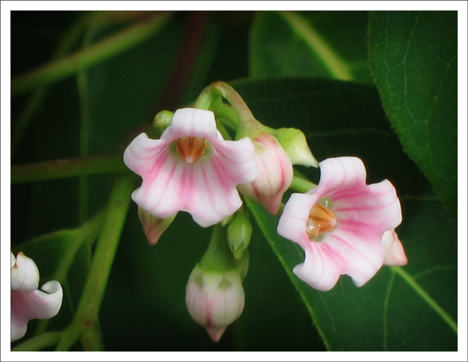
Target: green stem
x=40 y=342
x=104 y=50
x=87 y=233
x=93 y=291
x=301 y=185
x=218 y=256
x=22 y=122
x=91 y=339
x=235 y=114
x=67 y=167
x=82 y=84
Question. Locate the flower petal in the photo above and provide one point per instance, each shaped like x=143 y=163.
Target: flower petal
x=24 y=274
x=191 y=122
x=142 y=154
x=31 y=305
x=293 y=221
x=319 y=270
x=358 y=257
x=214 y=195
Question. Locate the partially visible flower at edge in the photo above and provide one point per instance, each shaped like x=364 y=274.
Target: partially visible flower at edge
x=341 y=223
x=27 y=302
x=191 y=168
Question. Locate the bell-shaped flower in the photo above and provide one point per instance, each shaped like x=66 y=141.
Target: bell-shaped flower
x=340 y=224
x=275 y=173
x=191 y=168
x=214 y=299
x=27 y=302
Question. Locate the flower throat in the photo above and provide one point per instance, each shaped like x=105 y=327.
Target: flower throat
x=321 y=220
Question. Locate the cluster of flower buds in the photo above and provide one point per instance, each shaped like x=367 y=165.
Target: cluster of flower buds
x=343 y=225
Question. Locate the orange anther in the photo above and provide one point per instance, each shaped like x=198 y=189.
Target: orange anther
x=321 y=220
x=191 y=149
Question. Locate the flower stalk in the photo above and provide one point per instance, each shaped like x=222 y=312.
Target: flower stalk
x=93 y=292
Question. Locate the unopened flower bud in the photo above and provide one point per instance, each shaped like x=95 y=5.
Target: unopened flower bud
x=295 y=144
x=239 y=232
x=153 y=226
x=214 y=299
x=162 y=120
x=275 y=173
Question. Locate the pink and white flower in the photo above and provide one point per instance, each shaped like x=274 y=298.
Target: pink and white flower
x=214 y=299
x=191 y=168
x=341 y=223
x=275 y=173
x=27 y=302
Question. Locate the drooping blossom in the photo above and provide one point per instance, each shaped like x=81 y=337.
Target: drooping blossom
x=214 y=299
x=191 y=168
x=340 y=224
x=27 y=302
x=275 y=173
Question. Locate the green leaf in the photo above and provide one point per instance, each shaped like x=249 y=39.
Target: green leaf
x=414 y=63
x=309 y=44
x=407 y=308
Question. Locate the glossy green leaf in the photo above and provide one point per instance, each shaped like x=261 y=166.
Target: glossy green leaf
x=414 y=63
x=403 y=308
x=309 y=44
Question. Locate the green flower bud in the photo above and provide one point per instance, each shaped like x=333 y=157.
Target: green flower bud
x=162 y=120
x=295 y=144
x=239 y=232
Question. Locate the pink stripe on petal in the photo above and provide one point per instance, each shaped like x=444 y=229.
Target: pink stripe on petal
x=318 y=270
x=214 y=198
x=359 y=259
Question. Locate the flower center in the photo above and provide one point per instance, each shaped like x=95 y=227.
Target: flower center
x=321 y=220
x=191 y=149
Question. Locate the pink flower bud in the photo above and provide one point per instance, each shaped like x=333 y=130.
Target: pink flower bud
x=275 y=173
x=214 y=299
